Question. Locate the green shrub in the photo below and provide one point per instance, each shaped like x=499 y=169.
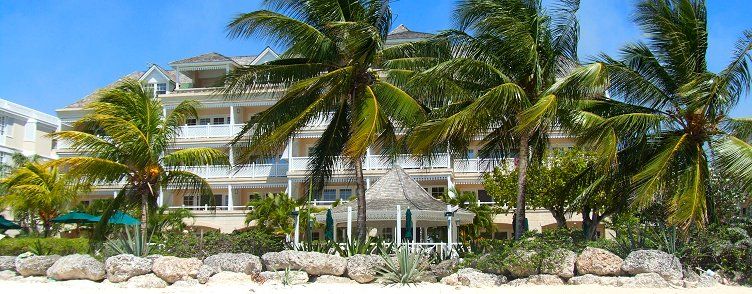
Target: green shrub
x=407 y=269
x=60 y=246
x=253 y=241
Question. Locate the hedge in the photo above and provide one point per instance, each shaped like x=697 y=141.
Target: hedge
x=60 y=246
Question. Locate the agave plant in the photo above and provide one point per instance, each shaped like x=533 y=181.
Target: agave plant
x=129 y=243
x=407 y=269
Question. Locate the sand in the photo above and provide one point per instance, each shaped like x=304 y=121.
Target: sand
x=86 y=287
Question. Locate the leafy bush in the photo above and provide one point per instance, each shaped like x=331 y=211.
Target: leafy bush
x=255 y=241
x=16 y=246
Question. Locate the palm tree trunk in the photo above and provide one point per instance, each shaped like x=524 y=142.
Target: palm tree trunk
x=522 y=162
x=144 y=215
x=360 y=190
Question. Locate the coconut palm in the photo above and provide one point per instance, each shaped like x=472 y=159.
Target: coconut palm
x=328 y=71
x=42 y=191
x=669 y=123
x=503 y=57
x=124 y=140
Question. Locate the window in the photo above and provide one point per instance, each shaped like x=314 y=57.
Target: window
x=218 y=121
x=6 y=126
x=161 y=88
x=344 y=194
x=149 y=89
x=189 y=201
x=190 y=122
x=483 y=196
x=470 y=154
x=330 y=195
x=203 y=121
x=220 y=200
x=437 y=192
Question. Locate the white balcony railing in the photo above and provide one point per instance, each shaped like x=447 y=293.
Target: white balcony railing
x=210 y=131
x=249 y=171
x=379 y=162
x=481 y=165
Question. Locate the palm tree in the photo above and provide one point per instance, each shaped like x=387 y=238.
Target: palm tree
x=124 y=139
x=41 y=190
x=669 y=127
x=328 y=71
x=502 y=59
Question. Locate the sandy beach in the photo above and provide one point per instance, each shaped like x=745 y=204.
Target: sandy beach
x=86 y=287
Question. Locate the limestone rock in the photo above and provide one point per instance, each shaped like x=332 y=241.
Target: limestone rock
x=313 y=263
x=122 y=267
x=235 y=262
x=32 y=265
x=77 y=267
x=703 y=280
x=653 y=261
x=561 y=263
x=185 y=283
x=473 y=278
x=7 y=263
x=646 y=280
x=328 y=279
x=8 y=275
x=146 y=281
x=224 y=278
x=204 y=273
x=364 y=268
x=598 y=262
x=535 y=280
x=291 y=277
x=172 y=269
x=443 y=268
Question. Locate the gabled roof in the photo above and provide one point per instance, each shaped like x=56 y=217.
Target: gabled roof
x=401 y=32
x=244 y=60
x=168 y=74
x=90 y=98
x=206 y=57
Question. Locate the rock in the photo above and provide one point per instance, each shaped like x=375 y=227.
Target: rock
x=146 y=281
x=473 y=278
x=364 y=268
x=224 y=278
x=32 y=265
x=313 y=263
x=235 y=262
x=646 y=280
x=521 y=263
x=328 y=279
x=443 y=268
x=185 y=283
x=587 y=279
x=427 y=277
x=653 y=261
x=77 y=267
x=122 y=267
x=204 y=273
x=7 y=263
x=598 y=262
x=705 y=279
x=284 y=277
x=8 y=275
x=172 y=269
x=535 y=280
x=561 y=263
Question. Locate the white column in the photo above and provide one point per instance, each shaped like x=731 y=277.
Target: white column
x=334 y=232
x=231 y=155
x=177 y=78
x=164 y=111
x=232 y=117
x=230 y=201
x=30 y=130
x=398 y=235
x=449 y=226
x=114 y=194
x=368 y=158
x=368 y=183
x=297 y=228
x=450 y=187
x=349 y=224
x=160 y=197
x=415 y=230
x=288 y=190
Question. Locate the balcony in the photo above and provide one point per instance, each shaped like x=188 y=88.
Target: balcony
x=380 y=162
x=210 y=131
x=250 y=171
x=207 y=90
x=481 y=165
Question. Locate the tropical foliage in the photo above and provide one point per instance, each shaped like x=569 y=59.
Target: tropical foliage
x=407 y=268
x=483 y=222
x=274 y=212
x=125 y=139
x=328 y=73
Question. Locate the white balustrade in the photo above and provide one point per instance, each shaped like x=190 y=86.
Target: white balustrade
x=481 y=165
x=210 y=131
x=249 y=171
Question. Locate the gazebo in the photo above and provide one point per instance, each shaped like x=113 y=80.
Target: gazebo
x=388 y=199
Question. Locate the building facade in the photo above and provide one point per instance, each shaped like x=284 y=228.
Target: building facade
x=26 y=131
x=221 y=117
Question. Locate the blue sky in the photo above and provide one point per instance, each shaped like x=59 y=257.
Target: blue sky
x=54 y=52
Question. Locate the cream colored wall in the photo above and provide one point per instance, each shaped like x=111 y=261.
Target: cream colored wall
x=16 y=137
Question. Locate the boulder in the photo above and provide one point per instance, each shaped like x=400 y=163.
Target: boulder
x=185 y=283
x=204 y=273
x=235 y=262
x=284 y=277
x=443 y=268
x=146 y=281
x=364 y=268
x=77 y=267
x=521 y=263
x=536 y=280
x=560 y=263
x=587 y=279
x=122 y=267
x=32 y=265
x=224 y=278
x=473 y=278
x=8 y=275
x=598 y=262
x=313 y=263
x=7 y=263
x=653 y=261
x=704 y=279
x=172 y=269
x=646 y=280
x=328 y=279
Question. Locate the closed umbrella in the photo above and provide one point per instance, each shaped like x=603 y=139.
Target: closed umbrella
x=7 y=225
x=329 y=233
x=408 y=225
x=75 y=217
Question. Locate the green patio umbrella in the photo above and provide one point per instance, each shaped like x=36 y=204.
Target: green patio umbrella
x=120 y=218
x=7 y=225
x=408 y=224
x=75 y=217
x=329 y=233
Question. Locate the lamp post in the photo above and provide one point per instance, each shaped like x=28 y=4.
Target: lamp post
x=449 y=214
x=296 y=239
